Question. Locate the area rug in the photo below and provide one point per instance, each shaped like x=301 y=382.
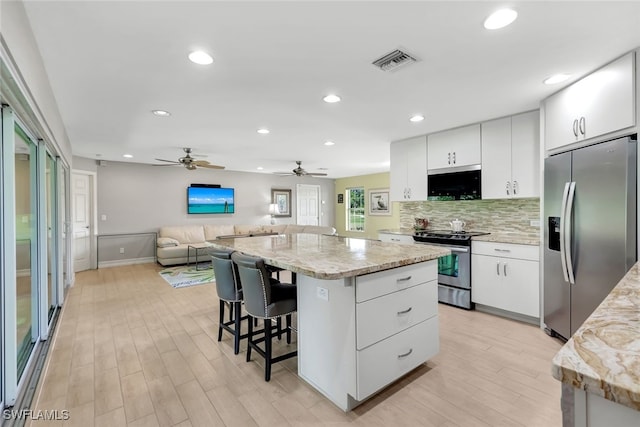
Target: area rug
x=183 y=276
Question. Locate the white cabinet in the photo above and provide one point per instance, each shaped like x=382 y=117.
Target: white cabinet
x=396 y=238
x=510 y=157
x=455 y=147
x=408 y=171
x=506 y=276
x=599 y=103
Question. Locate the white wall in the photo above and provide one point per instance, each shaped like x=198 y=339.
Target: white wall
x=140 y=197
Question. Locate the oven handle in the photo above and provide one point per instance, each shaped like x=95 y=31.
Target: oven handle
x=451 y=248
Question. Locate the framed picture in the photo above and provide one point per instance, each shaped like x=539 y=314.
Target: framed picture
x=282 y=198
x=379 y=203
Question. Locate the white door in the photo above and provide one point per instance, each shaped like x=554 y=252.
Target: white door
x=81 y=208
x=308 y=204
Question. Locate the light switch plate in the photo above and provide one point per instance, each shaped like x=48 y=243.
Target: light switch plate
x=103 y=217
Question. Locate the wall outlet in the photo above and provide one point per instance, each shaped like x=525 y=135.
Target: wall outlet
x=534 y=223
x=322 y=293
x=121 y=250
x=103 y=217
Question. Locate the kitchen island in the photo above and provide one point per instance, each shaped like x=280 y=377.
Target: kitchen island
x=367 y=310
x=599 y=366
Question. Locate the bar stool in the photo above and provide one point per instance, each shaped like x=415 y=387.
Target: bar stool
x=267 y=300
x=229 y=290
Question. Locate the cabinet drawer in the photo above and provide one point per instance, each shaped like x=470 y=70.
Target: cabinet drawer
x=388 y=360
x=396 y=238
x=506 y=250
x=381 y=317
x=373 y=285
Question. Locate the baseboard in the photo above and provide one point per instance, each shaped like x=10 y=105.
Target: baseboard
x=508 y=314
x=130 y=261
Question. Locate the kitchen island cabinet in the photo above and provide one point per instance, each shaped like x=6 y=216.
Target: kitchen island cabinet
x=598 y=366
x=367 y=310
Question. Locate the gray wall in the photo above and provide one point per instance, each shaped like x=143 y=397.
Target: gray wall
x=141 y=198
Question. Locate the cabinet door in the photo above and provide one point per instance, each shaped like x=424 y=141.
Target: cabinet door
x=487 y=283
x=521 y=286
x=525 y=155
x=398 y=171
x=559 y=115
x=455 y=147
x=417 y=168
x=496 y=159
x=608 y=98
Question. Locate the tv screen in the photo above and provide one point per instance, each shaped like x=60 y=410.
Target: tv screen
x=209 y=200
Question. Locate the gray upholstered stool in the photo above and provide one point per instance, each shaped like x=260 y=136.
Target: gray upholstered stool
x=229 y=291
x=264 y=299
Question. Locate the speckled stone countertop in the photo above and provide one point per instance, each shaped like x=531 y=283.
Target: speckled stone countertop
x=330 y=257
x=603 y=356
x=515 y=238
x=405 y=231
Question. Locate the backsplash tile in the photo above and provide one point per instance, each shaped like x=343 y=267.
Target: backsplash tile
x=494 y=216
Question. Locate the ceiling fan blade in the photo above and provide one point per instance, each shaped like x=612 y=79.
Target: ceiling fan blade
x=175 y=164
x=200 y=162
x=170 y=161
x=209 y=166
x=283 y=173
x=316 y=174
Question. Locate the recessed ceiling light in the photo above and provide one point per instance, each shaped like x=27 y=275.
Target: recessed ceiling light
x=259 y=168
x=329 y=143
x=331 y=98
x=556 y=78
x=127 y=156
x=416 y=118
x=500 y=19
x=161 y=113
x=263 y=131
x=200 y=57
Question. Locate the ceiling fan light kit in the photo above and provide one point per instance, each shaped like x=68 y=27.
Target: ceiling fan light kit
x=299 y=171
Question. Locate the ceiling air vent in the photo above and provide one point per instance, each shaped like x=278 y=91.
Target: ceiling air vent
x=394 y=60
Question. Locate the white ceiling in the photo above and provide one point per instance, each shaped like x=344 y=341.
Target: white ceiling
x=110 y=63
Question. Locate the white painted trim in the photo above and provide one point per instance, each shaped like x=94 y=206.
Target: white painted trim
x=93 y=232
x=130 y=261
x=41 y=285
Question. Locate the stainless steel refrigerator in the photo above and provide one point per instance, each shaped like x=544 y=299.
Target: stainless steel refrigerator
x=589 y=229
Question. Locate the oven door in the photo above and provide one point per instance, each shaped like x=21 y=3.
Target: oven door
x=454 y=269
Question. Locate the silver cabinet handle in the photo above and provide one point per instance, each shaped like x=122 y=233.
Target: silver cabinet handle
x=404 y=279
x=575 y=127
x=454 y=157
x=395 y=240
x=400 y=313
x=582 y=125
x=515 y=187
x=449 y=158
x=508 y=187
x=409 y=193
x=498 y=268
x=502 y=250
x=505 y=269
x=400 y=356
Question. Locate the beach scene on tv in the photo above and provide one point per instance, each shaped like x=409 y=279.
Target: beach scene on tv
x=203 y=200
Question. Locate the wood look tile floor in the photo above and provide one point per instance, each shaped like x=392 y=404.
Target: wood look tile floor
x=131 y=351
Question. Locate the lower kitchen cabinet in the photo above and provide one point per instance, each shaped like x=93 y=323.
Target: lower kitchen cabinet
x=506 y=276
x=395 y=238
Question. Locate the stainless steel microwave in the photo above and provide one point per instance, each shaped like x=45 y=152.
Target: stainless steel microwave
x=458 y=185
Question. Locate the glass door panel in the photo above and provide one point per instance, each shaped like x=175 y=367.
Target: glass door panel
x=50 y=209
x=26 y=250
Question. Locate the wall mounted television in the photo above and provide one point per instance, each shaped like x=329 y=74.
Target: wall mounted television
x=210 y=200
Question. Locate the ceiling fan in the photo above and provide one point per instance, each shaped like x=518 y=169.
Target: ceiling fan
x=299 y=171
x=189 y=162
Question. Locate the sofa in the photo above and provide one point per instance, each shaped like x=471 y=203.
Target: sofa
x=173 y=241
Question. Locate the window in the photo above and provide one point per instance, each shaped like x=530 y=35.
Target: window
x=355 y=209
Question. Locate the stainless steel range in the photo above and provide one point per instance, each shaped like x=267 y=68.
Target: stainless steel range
x=454 y=271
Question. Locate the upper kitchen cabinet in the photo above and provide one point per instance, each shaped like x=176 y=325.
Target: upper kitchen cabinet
x=510 y=157
x=408 y=171
x=453 y=148
x=599 y=103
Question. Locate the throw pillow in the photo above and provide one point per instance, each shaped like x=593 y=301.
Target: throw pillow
x=165 y=242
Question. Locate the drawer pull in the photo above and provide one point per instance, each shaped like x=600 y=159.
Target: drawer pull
x=502 y=250
x=401 y=356
x=404 y=279
x=400 y=313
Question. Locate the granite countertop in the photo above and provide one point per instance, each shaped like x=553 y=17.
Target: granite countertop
x=405 y=231
x=603 y=356
x=515 y=238
x=330 y=257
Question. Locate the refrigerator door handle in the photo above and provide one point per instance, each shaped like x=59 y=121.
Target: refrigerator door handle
x=567 y=236
x=563 y=213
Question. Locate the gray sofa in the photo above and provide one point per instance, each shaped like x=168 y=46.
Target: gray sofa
x=173 y=241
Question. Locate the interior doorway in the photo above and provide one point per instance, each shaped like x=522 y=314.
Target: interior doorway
x=308 y=204
x=82 y=206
